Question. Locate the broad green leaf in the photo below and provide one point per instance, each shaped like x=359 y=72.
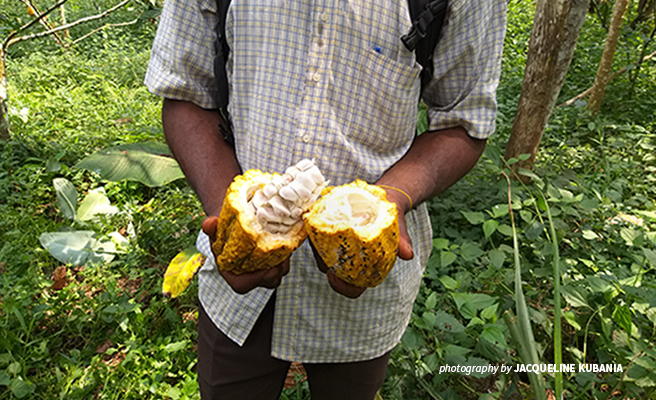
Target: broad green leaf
x=148 y=163
x=500 y=210
x=431 y=301
x=95 y=202
x=77 y=247
x=630 y=236
x=589 y=204
x=493 y=334
x=574 y=297
x=599 y=285
x=622 y=316
x=489 y=227
x=470 y=251
x=505 y=229
x=20 y=388
x=590 y=235
x=429 y=319
x=413 y=339
x=650 y=255
x=432 y=362
x=469 y=303
x=570 y=317
x=4 y=379
x=448 y=322
x=440 y=244
x=176 y=346
x=474 y=217
x=497 y=257
x=490 y=312
x=449 y=282
x=66 y=196
x=446 y=258
x=181 y=271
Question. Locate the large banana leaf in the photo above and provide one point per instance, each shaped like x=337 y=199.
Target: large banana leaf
x=149 y=163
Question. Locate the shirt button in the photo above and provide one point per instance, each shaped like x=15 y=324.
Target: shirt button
x=306 y=138
x=324 y=16
x=316 y=77
x=319 y=42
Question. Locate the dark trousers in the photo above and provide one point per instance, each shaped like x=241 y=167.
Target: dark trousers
x=227 y=371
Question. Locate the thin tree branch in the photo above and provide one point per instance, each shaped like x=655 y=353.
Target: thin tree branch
x=67 y=26
x=43 y=21
x=613 y=76
x=6 y=43
x=103 y=27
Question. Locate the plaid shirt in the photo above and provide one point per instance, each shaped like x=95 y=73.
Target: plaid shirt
x=328 y=80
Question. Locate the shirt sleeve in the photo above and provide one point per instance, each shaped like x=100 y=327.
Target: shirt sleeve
x=467 y=66
x=181 y=63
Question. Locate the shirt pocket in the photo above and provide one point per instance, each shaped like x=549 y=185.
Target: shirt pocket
x=385 y=114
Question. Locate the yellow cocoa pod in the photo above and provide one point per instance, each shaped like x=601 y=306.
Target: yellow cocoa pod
x=261 y=223
x=355 y=230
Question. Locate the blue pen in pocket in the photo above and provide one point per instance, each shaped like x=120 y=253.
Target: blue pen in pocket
x=377 y=49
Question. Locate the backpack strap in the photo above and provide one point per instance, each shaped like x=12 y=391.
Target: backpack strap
x=221 y=51
x=427 y=20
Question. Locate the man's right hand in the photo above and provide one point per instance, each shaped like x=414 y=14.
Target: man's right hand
x=245 y=282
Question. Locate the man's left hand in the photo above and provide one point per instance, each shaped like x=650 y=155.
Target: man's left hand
x=404 y=252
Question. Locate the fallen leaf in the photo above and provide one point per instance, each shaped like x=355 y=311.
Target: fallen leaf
x=59 y=278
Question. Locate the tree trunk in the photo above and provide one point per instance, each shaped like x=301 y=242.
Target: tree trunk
x=604 y=72
x=556 y=28
x=4 y=123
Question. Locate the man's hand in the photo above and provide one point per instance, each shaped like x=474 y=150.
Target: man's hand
x=244 y=283
x=404 y=252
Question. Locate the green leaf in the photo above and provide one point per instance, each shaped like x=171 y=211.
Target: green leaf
x=469 y=303
x=505 y=229
x=524 y=157
x=497 y=257
x=490 y=312
x=570 y=317
x=494 y=335
x=4 y=379
x=589 y=204
x=432 y=362
x=470 y=251
x=590 y=235
x=574 y=297
x=66 y=196
x=622 y=316
x=148 y=163
x=176 y=346
x=448 y=322
x=431 y=301
x=96 y=202
x=630 y=236
x=474 y=217
x=440 y=244
x=77 y=247
x=489 y=227
x=446 y=258
x=650 y=255
x=20 y=388
x=449 y=282
x=500 y=210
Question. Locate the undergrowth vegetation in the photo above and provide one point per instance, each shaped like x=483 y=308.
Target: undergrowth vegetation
x=103 y=329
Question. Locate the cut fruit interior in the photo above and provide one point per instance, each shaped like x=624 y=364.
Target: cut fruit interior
x=261 y=220
x=355 y=231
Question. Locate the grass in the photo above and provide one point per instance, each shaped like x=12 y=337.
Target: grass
x=108 y=333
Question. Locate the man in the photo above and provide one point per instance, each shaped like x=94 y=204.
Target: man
x=328 y=80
